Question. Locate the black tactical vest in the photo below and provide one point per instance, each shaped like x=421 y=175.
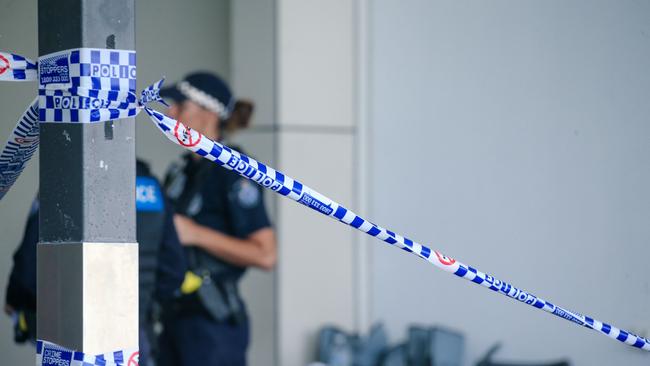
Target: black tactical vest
x=184 y=187
x=219 y=294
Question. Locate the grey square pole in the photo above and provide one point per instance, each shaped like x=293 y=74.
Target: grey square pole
x=87 y=279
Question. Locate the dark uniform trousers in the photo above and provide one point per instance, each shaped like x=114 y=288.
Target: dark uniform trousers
x=197 y=339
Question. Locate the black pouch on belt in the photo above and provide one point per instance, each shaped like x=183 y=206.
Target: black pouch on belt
x=221 y=300
x=218 y=292
x=213 y=300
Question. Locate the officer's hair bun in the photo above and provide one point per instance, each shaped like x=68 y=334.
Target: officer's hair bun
x=240 y=117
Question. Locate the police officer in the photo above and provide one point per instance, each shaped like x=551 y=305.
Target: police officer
x=162 y=264
x=222 y=222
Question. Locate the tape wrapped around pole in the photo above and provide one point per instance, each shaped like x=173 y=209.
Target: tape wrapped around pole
x=286 y=186
x=84 y=85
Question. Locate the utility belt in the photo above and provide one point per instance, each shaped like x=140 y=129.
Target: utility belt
x=211 y=287
x=220 y=299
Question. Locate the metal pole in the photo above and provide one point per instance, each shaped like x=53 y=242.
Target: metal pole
x=87 y=280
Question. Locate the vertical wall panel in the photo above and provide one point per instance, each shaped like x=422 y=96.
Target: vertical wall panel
x=515 y=137
x=316 y=132
x=252 y=76
x=316 y=253
x=315 y=41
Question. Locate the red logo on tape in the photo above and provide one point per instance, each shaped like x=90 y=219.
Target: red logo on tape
x=134 y=359
x=188 y=138
x=22 y=140
x=444 y=259
x=5 y=67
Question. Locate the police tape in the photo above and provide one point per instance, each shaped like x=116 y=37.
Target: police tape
x=286 y=186
x=16 y=68
x=111 y=97
x=87 y=85
x=82 y=85
x=20 y=147
x=51 y=354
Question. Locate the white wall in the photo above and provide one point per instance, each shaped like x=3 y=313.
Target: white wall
x=316 y=128
x=172 y=40
x=252 y=59
x=514 y=136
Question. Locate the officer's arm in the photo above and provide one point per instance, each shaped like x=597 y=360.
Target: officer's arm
x=258 y=249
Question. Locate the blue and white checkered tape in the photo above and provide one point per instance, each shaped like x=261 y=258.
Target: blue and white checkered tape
x=16 y=68
x=20 y=147
x=81 y=85
x=51 y=354
x=295 y=190
x=87 y=85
